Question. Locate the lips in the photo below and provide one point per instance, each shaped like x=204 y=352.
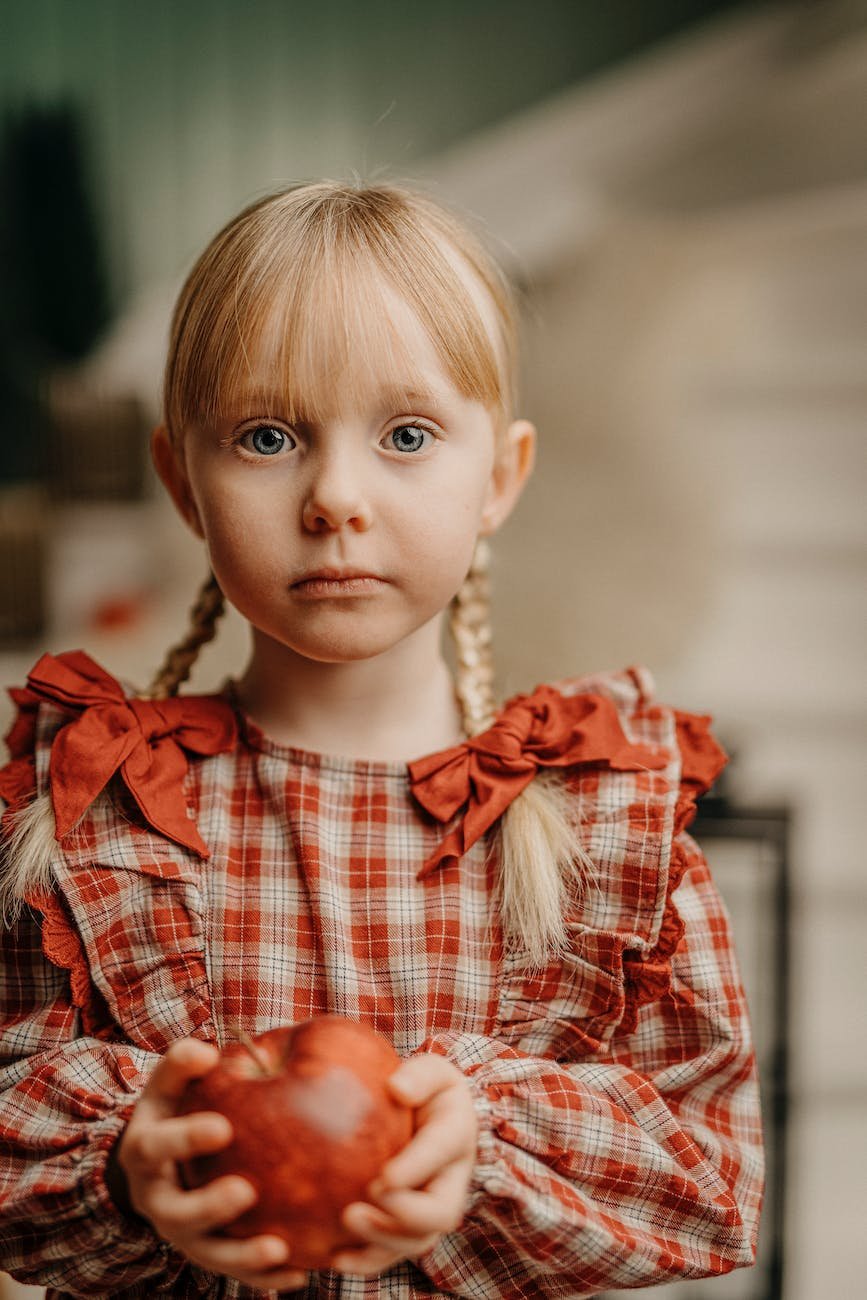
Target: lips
x=337 y=582
x=334 y=575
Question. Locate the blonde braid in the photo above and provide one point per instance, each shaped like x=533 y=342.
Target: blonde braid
x=542 y=865
x=470 y=626
x=179 y=660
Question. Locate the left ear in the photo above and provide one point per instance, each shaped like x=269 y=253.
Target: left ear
x=512 y=467
x=171 y=470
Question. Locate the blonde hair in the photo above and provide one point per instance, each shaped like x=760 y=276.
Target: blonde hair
x=293 y=282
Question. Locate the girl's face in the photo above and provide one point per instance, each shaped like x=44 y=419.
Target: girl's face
x=339 y=539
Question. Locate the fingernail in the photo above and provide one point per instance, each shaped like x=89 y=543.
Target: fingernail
x=276 y=1251
x=402 y=1085
x=244 y=1191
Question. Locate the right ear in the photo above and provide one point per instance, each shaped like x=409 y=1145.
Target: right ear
x=170 y=467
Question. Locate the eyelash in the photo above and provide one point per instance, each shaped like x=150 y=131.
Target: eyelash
x=237 y=439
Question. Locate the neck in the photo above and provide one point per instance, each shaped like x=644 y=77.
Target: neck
x=396 y=706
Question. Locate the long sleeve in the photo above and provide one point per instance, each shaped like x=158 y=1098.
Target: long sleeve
x=637 y=1167
x=64 y=1100
x=71 y=996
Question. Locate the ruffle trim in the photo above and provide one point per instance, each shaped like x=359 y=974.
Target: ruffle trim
x=648 y=978
x=60 y=941
x=63 y=947
x=18 y=776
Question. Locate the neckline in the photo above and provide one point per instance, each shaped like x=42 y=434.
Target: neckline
x=256 y=738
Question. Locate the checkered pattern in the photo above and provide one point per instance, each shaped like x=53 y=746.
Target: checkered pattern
x=616 y=1090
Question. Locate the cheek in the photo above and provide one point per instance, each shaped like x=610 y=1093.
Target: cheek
x=240 y=537
x=453 y=500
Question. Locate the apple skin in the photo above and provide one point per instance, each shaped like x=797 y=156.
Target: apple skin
x=311 y=1129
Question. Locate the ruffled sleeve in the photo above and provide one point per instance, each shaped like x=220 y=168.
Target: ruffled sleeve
x=624 y=1149
x=68 y=1078
x=648 y=976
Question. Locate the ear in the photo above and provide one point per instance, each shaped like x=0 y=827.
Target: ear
x=169 y=465
x=512 y=467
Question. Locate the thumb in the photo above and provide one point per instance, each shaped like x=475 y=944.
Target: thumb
x=422 y=1077
x=186 y=1059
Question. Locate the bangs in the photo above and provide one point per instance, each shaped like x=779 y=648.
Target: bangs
x=287 y=318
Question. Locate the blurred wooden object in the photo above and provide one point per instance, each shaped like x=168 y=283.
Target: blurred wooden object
x=24 y=530
x=97 y=444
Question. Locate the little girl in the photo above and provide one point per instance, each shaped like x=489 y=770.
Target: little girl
x=520 y=910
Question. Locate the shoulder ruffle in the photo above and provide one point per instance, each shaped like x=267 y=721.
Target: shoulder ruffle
x=624 y=925
x=550 y=728
x=702 y=758
x=75 y=729
x=103 y=731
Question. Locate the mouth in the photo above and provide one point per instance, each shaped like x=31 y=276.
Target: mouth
x=337 y=582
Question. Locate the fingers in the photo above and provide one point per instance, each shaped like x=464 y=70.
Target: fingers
x=385 y=1243
x=437 y=1209
x=176 y=1213
x=186 y=1059
x=261 y=1263
x=372 y=1260
x=446 y=1123
x=420 y=1077
x=181 y=1138
x=405 y=1223
x=156 y=1139
x=438 y=1143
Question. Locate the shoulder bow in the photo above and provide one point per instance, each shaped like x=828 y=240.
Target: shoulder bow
x=146 y=740
x=488 y=771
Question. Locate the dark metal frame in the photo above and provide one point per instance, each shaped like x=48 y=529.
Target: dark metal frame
x=719 y=818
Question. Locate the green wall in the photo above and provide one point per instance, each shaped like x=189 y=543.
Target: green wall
x=192 y=107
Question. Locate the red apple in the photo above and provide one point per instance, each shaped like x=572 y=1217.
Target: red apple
x=313 y=1123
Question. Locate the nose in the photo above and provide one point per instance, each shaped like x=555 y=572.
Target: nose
x=336 y=497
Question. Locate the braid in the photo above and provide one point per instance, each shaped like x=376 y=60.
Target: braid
x=542 y=865
x=179 y=660
x=470 y=626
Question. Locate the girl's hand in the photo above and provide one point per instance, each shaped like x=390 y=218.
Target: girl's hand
x=151 y=1144
x=423 y=1190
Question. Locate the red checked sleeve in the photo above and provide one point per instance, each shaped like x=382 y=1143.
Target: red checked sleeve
x=640 y=1166
x=66 y=1093
x=64 y=1101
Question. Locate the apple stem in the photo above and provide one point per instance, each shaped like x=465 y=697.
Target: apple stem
x=245 y=1039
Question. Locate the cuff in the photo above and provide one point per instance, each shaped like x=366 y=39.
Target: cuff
x=122 y=1237
x=486 y=1148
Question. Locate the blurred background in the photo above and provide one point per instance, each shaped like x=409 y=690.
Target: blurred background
x=679 y=189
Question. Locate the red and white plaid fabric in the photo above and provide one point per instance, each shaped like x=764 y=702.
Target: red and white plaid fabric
x=616 y=1090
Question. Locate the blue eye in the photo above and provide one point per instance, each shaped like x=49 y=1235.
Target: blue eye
x=408 y=437
x=265 y=439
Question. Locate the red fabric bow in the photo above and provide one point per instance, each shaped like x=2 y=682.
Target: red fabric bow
x=488 y=771
x=145 y=739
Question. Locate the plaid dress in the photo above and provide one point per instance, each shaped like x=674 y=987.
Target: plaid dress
x=222 y=880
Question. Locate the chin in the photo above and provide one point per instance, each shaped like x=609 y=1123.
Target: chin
x=347 y=648
x=357 y=652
